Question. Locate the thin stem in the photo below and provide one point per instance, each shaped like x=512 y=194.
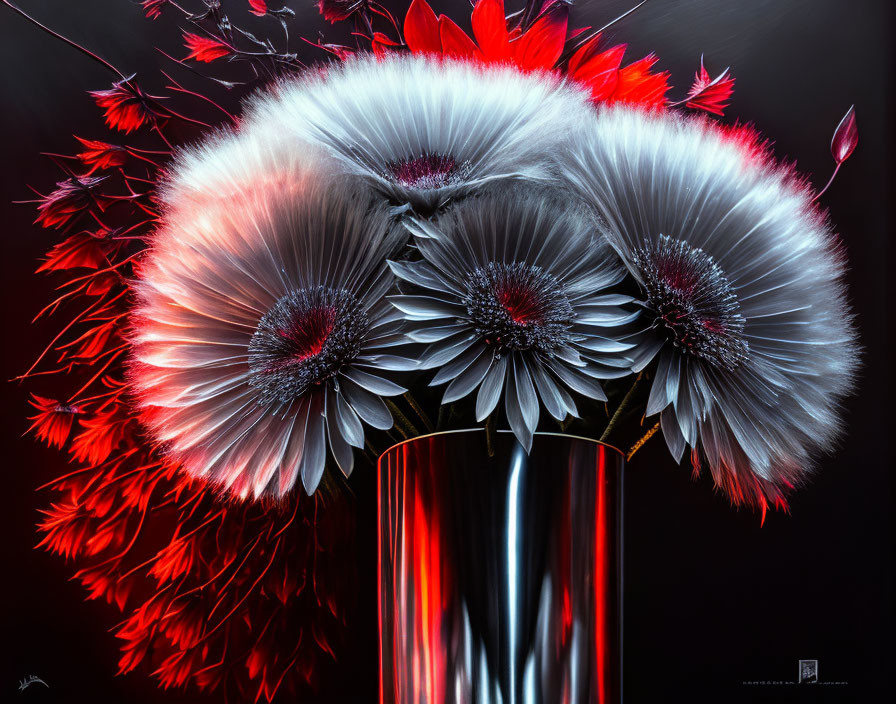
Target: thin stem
x=622 y=408
x=412 y=402
x=490 y=431
x=404 y=426
x=828 y=184
x=68 y=41
x=643 y=439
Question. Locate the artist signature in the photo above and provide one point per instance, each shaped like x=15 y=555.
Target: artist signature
x=30 y=680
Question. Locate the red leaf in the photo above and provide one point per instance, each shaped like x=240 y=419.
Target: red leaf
x=490 y=28
x=542 y=44
x=640 y=87
x=204 y=49
x=455 y=42
x=78 y=251
x=710 y=94
x=53 y=421
x=600 y=72
x=101 y=155
x=126 y=106
x=421 y=28
x=153 y=8
x=258 y=7
x=846 y=137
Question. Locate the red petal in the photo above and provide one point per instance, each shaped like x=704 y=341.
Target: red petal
x=78 y=251
x=542 y=44
x=455 y=41
x=846 y=137
x=258 y=7
x=490 y=28
x=421 y=28
x=600 y=72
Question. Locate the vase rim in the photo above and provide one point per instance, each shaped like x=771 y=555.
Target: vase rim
x=482 y=430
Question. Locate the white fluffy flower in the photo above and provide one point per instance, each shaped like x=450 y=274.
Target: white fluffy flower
x=514 y=295
x=261 y=317
x=424 y=130
x=743 y=280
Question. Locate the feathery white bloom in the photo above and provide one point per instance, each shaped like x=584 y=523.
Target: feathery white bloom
x=424 y=130
x=513 y=295
x=261 y=318
x=743 y=280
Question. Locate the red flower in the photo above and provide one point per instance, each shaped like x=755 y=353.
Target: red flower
x=126 y=106
x=710 y=94
x=846 y=137
x=101 y=155
x=53 y=421
x=539 y=47
x=205 y=49
x=72 y=197
x=258 y=7
x=153 y=8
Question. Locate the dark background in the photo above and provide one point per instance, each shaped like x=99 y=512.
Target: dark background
x=713 y=600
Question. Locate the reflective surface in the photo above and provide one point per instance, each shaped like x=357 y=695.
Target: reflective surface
x=500 y=577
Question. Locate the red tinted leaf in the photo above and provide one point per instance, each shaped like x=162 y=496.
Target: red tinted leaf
x=258 y=7
x=455 y=42
x=542 y=44
x=71 y=198
x=153 y=8
x=598 y=71
x=53 y=420
x=101 y=155
x=421 y=28
x=204 y=49
x=710 y=94
x=126 y=106
x=382 y=43
x=78 y=251
x=490 y=28
x=846 y=137
x=640 y=87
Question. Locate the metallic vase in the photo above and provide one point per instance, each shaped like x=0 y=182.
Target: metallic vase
x=500 y=572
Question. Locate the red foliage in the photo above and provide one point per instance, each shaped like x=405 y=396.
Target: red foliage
x=710 y=94
x=539 y=47
x=53 y=421
x=126 y=107
x=153 y=8
x=101 y=155
x=339 y=10
x=78 y=251
x=258 y=7
x=72 y=197
x=204 y=49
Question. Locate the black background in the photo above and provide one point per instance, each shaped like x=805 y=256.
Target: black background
x=713 y=600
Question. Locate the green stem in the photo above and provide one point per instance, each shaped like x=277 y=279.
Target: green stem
x=412 y=402
x=622 y=408
x=402 y=424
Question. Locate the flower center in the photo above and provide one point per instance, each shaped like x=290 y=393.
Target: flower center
x=518 y=307
x=428 y=171
x=693 y=302
x=303 y=340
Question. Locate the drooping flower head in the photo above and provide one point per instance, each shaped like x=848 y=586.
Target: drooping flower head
x=512 y=296
x=753 y=337
x=260 y=319
x=424 y=130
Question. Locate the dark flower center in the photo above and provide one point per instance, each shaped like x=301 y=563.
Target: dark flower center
x=305 y=339
x=428 y=171
x=518 y=307
x=693 y=302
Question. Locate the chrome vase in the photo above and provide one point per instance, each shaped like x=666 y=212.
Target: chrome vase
x=500 y=572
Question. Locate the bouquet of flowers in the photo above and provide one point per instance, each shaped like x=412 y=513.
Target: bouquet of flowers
x=423 y=230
